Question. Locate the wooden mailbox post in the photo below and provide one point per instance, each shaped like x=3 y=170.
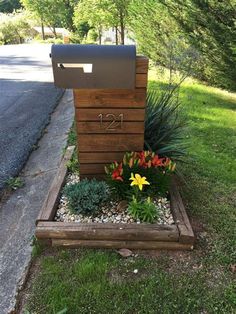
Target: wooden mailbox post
x=109 y=85
x=110 y=122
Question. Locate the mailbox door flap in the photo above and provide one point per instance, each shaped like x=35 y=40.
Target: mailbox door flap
x=94 y=66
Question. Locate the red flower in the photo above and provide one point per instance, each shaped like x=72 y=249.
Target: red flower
x=117 y=173
x=157 y=162
x=160 y=162
x=142 y=160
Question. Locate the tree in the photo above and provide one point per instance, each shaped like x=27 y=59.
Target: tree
x=69 y=7
x=119 y=10
x=53 y=13
x=92 y=12
x=159 y=37
x=9 y=6
x=210 y=25
x=14 y=28
x=102 y=14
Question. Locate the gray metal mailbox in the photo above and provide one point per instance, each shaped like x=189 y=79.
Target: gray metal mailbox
x=94 y=66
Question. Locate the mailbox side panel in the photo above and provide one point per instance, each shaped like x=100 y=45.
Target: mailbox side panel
x=109 y=123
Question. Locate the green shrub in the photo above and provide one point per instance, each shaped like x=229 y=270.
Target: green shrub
x=163 y=126
x=145 y=210
x=86 y=196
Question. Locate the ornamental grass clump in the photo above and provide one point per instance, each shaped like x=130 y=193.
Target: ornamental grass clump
x=86 y=197
x=164 y=127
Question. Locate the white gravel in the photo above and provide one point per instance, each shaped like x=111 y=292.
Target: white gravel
x=111 y=212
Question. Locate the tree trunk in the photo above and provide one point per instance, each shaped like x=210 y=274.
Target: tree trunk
x=117 y=40
x=122 y=29
x=70 y=24
x=54 y=31
x=100 y=35
x=43 y=34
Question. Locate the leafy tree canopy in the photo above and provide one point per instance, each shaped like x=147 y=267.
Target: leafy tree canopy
x=210 y=26
x=8 y=6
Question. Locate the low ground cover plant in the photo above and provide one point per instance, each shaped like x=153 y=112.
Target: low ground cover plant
x=85 y=197
x=144 y=210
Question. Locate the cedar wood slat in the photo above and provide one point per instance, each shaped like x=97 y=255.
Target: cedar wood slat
x=92 y=114
x=142 y=64
x=116 y=142
x=100 y=157
x=91 y=168
x=91 y=127
x=102 y=98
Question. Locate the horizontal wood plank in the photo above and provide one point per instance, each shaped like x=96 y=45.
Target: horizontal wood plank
x=143 y=245
x=101 y=157
x=97 y=176
x=92 y=168
x=96 y=127
x=49 y=206
x=93 y=114
x=103 y=98
x=141 y=64
x=110 y=142
x=141 y=80
x=102 y=232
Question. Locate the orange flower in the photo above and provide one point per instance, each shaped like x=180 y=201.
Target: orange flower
x=166 y=162
x=117 y=173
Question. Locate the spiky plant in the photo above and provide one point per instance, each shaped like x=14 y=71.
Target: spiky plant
x=164 y=126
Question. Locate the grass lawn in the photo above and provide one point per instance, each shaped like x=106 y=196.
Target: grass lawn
x=201 y=281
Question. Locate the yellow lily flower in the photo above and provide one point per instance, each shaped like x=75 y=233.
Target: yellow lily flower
x=138 y=180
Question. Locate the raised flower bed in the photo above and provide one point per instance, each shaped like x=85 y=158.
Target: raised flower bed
x=177 y=236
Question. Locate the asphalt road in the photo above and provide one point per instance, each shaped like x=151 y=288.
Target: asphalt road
x=27 y=98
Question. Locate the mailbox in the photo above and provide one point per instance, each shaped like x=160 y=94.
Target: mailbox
x=94 y=66
x=109 y=86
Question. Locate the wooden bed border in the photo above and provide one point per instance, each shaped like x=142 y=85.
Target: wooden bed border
x=179 y=236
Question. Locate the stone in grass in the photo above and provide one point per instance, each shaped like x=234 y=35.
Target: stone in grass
x=125 y=252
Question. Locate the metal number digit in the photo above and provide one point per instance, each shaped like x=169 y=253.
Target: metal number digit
x=100 y=116
x=114 y=123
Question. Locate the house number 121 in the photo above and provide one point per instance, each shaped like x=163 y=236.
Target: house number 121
x=115 y=121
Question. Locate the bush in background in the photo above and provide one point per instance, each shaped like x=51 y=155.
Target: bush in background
x=14 y=28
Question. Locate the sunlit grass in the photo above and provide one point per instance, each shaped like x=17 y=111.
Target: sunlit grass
x=93 y=281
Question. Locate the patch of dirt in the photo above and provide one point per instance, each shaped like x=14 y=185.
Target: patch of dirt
x=5 y=194
x=24 y=293
x=128 y=271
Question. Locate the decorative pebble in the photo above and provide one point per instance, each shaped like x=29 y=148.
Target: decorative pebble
x=112 y=212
